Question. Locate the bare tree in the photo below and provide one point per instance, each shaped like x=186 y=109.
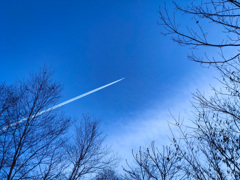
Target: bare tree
x=153 y=164
x=85 y=152
x=8 y=100
x=28 y=141
x=218 y=125
x=209 y=147
x=222 y=15
x=107 y=174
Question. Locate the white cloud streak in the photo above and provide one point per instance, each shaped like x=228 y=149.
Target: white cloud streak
x=63 y=103
x=152 y=124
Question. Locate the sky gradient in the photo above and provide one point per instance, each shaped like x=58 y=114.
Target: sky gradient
x=91 y=43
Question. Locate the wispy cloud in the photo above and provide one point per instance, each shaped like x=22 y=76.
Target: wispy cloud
x=152 y=124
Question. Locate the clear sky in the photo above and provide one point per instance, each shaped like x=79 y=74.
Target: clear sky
x=91 y=43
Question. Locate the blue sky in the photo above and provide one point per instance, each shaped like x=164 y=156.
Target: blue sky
x=91 y=43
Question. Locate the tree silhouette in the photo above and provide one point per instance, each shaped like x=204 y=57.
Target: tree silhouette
x=209 y=146
x=155 y=164
x=28 y=141
x=222 y=15
x=86 y=153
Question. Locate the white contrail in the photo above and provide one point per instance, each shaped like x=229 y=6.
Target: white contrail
x=63 y=103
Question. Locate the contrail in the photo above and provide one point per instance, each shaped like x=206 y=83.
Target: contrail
x=63 y=103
